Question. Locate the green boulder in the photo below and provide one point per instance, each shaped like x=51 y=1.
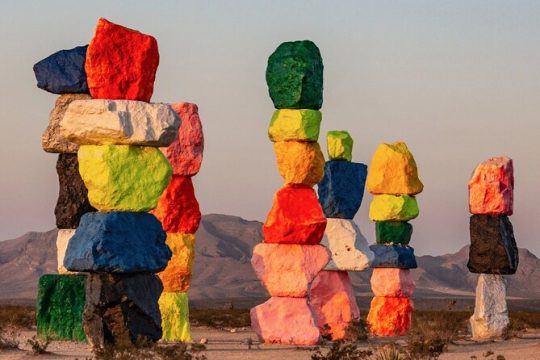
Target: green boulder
x=397 y=232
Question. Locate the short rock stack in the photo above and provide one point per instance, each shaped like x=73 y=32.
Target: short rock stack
x=291 y=257
x=118 y=133
x=178 y=211
x=493 y=251
x=393 y=181
x=340 y=194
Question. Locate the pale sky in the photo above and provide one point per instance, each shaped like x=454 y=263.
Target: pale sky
x=458 y=81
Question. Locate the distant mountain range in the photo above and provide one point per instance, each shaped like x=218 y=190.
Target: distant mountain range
x=222 y=267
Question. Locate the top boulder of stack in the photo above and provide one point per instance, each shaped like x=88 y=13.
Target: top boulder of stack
x=491 y=187
x=339 y=145
x=294 y=75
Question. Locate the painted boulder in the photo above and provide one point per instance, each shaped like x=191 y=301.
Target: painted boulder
x=177 y=275
x=393 y=208
x=339 y=145
x=175 y=316
x=295 y=124
x=393 y=256
x=396 y=232
x=299 y=162
x=491 y=187
x=392 y=282
x=490 y=318
x=390 y=316
x=62 y=240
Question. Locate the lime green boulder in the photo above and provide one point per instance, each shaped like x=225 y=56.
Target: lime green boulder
x=123 y=177
x=60 y=305
x=175 y=316
x=396 y=232
x=295 y=124
x=393 y=208
x=294 y=75
x=339 y=145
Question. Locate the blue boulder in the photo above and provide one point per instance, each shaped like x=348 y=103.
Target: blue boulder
x=342 y=188
x=63 y=72
x=393 y=256
x=118 y=242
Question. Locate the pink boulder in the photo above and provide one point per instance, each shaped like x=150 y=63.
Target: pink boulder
x=186 y=152
x=333 y=302
x=284 y=320
x=392 y=282
x=287 y=269
x=491 y=187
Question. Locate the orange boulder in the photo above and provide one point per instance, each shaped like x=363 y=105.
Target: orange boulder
x=491 y=187
x=390 y=316
x=176 y=276
x=299 y=162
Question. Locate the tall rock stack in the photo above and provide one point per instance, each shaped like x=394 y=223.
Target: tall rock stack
x=340 y=194
x=118 y=133
x=291 y=257
x=393 y=181
x=178 y=211
x=493 y=251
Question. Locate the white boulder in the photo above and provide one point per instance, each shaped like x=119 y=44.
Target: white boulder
x=490 y=317
x=62 y=241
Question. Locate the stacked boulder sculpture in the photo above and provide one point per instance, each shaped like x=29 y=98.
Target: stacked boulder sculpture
x=493 y=251
x=105 y=117
x=340 y=195
x=393 y=181
x=290 y=257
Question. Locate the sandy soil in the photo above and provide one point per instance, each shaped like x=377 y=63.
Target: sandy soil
x=234 y=346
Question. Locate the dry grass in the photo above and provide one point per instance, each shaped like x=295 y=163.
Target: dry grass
x=148 y=350
x=20 y=316
x=220 y=318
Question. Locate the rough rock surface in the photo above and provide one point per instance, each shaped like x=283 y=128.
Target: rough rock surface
x=333 y=302
x=288 y=270
x=342 y=188
x=392 y=282
x=63 y=72
x=397 y=232
x=178 y=209
x=393 y=208
x=186 y=151
x=299 y=162
x=284 y=320
x=62 y=241
x=295 y=124
x=295 y=217
x=393 y=171
x=119 y=122
x=493 y=248
x=491 y=187
x=390 y=316
x=118 y=242
x=121 y=63
x=393 y=256
x=175 y=316
x=52 y=139
x=490 y=318
x=60 y=304
x=294 y=75
x=339 y=145
x=120 y=308
x=177 y=275
x=72 y=200
x=348 y=247
x=123 y=177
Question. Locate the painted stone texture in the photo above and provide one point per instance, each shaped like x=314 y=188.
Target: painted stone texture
x=493 y=248
x=339 y=145
x=60 y=304
x=123 y=177
x=287 y=270
x=490 y=318
x=285 y=320
x=342 y=188
x=62 y=240
x=393 y=208
x=118 y=242
x=295 y=124
x=178 y=209
x=121 y=63
x=393 y=256
x=333 y=302
x=393 y=171
x=177 y=275
x=186 y=151
x=52 y=139
x=119 y=122
x=295 y=217
x=299 y=162
x=122 y=308
x=63 y=72
x=348 y=247
x=175 y=316
x=390 y=316
x=396 y=232
x=491 y=187
x=294 y=75
x=392 y=282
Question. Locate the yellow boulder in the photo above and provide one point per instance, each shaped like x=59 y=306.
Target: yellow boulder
x=174 y=316
x=299 y=162
x=295 y=124
x=393 y=171
x=393 y=208
x=177 y=275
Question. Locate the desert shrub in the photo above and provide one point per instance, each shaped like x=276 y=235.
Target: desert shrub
x=357 y=331
x=8 y=338
x=389 y=352
x=144 y=349
x=220 y=318
x=18 y=316
x=341 y=351
x=38 y=346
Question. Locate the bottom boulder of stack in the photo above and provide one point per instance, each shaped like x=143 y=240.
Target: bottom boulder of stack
x=122 y=308
x=285 y=320
x=390 y=316
x=175 y=316
x=490 y=318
